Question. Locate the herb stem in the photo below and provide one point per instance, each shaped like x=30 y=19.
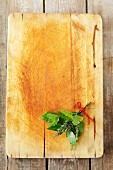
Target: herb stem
x=79 y=112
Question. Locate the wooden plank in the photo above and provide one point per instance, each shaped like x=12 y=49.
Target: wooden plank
x=2 y=82
x=105 y=9
x=95 y=74
x=108 y=114
x=88 y=90
x=63 y=164
x=79 y=63
x=25 y=6
x=78 y=7
x=25 y=104
x=65 y=6
x=101 y=8
x=26 y=164
x=79 y=74
x=58 y=79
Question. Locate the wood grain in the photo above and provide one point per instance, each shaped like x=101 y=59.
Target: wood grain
x=26 y=164
x=100 y=7
x=95 y=50
x=63 y=164
x=105 y=9
x=23 y=6
x=65 y=6
x=78 y=7
x=42 y=83
x=58 y=80
x=2 y=83
x=24 y=124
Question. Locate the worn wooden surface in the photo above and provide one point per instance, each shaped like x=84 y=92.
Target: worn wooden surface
x=25 y=124
x=105 y=9
x=58 y=64
x=78 y=7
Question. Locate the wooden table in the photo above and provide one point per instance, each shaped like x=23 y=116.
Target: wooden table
x=105 y=9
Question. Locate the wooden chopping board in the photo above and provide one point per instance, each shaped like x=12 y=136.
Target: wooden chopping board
x=54 y=60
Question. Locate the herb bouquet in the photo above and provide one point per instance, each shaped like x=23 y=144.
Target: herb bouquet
x=66 y=121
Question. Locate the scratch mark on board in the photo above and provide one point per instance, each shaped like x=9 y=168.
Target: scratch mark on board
x=93 y=44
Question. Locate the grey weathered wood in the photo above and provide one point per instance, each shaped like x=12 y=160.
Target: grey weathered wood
x=66 y=6
x=105 y=9
x=25 y=6
x=2 y=82
x=62 y=164
x=68 y=164
x=26 y=164
x=106 y=162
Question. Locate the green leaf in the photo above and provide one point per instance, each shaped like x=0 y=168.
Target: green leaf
x=50 y=117
x=71 y=137
x=81 y=127
x=67 y=115
x=65 y=118
x=55 y=127
x=61 y=121
x=77 y=119
x=62 y=129
x=74 y=113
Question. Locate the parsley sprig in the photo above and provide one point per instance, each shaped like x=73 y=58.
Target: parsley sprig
x=64 y=121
